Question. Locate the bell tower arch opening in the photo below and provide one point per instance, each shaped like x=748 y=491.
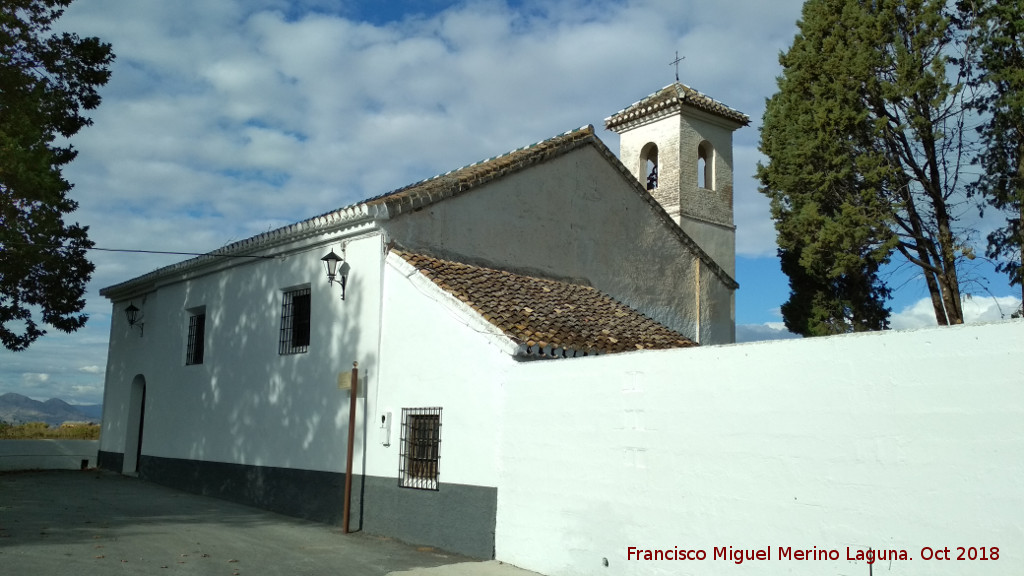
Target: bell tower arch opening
x=705 y=166
x=649 y=164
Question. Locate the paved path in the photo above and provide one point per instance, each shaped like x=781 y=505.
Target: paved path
x=69 y=523
x=47 y=454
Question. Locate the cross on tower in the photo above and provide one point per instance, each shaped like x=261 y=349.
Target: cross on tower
x=676 y=62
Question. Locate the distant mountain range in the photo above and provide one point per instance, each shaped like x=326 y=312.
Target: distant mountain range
x=18 y=409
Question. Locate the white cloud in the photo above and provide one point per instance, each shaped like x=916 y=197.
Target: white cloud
x=976 y=309
x=91 y=369
x=766 y=331
x=80 y=394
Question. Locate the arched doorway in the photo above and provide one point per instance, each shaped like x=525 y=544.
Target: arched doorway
x=135 y=426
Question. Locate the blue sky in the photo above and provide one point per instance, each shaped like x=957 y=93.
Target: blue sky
x=226 y=118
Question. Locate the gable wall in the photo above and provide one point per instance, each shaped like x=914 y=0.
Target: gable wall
x=575 y=217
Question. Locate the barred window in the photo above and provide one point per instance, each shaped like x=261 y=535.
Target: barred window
x=420 y=449
x=196 y=337
x=295 y=314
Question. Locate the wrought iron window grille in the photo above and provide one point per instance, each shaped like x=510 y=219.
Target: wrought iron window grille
x=295 y=322
x=420 y=448
x=196 y=338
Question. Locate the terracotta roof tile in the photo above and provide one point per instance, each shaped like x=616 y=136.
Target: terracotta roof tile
x=669 y=99
x=547 y=317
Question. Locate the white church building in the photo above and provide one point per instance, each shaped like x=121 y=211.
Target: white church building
x=232 y=377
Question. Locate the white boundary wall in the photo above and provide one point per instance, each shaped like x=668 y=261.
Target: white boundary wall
x=899 y=440
x=47 y=454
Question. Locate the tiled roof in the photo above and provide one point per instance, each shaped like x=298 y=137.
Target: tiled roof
x=669 y=99
x=549 y=318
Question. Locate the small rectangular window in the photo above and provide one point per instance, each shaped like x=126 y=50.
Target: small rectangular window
x=196 y=338
x=420 y=448
x=295 y=322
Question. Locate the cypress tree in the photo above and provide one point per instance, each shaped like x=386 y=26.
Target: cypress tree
x=864 y=140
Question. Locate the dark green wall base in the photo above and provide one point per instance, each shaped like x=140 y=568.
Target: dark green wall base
x=113 y=461
x=458 y=518
x=308 y=494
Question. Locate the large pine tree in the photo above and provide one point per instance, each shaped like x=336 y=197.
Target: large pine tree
x=864 y=141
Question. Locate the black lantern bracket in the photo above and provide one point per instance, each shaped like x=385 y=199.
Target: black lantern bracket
x=135 y=317
x=337 y=269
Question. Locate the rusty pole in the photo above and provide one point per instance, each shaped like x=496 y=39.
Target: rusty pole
x=351 y=443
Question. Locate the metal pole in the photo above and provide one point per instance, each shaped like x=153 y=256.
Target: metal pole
x=351 y=443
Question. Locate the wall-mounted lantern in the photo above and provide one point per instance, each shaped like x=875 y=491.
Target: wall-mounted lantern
x=337 y=270
x=134 y=316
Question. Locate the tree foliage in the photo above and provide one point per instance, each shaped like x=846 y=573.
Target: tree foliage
x=47 y=81
x=865 y=142
x=998 y=33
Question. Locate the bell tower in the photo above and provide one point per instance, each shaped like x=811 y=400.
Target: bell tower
x=678 y=143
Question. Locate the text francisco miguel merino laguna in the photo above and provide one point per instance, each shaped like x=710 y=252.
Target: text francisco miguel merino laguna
x=738 y=555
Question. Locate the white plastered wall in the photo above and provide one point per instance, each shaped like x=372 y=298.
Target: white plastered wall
x=246 y=403
x=434 y=353
x=900 y=440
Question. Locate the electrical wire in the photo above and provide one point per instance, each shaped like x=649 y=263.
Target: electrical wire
x=131 y=251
